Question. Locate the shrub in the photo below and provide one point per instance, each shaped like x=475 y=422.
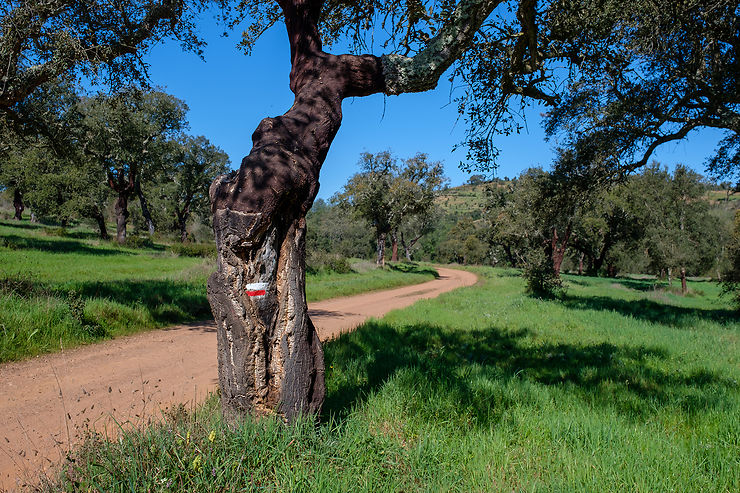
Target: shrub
x=55 y=231
x=317 y=262
x=542 y=280
x=139 y=242
x=193 y=249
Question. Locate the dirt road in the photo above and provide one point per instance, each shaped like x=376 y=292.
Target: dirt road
x=46 y=402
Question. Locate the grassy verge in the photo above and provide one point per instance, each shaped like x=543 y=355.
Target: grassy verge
x=61 y=291
x=324 y=285
x=614 y=387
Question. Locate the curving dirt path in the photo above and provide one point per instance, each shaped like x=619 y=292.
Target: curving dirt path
x=47 y=402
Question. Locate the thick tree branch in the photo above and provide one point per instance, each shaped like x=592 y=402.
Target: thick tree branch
x=422 y=72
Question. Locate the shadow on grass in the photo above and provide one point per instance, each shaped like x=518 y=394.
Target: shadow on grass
x=166 y=301
x=412 y=268
x=57 y=246
x=652 y=311
x=21 y=225
x=475 y=371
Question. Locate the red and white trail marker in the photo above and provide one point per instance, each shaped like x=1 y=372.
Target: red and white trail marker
x=257 y=289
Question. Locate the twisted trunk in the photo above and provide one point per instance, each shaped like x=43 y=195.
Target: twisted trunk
x=269 y=355
x=407 y=247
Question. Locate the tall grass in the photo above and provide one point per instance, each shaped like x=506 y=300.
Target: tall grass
x=60 y=288
x=614 y=387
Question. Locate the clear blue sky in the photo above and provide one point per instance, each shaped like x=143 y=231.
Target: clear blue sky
x=229 y=93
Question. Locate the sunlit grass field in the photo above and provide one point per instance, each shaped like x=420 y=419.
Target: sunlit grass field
x=615 y=386
x=60 y=291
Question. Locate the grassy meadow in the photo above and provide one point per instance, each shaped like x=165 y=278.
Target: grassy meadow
x=61 y=288
x=618 y=385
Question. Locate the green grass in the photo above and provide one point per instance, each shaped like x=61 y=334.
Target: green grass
x=324 y=285
x=61 y=291
x=614 y=387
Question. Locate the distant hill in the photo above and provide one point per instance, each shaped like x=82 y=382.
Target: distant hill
x=471 y=199
x=466 y=198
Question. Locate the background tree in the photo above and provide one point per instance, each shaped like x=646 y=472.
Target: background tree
x=369 y=195
x=411 y=200
x=186 y=185
x=335 y=230
x=464 y=244
x=50 y=123
x=611 y=222
x=680 y=234
x=127 y=133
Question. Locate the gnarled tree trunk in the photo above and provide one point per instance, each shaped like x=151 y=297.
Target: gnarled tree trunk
x=270 y=358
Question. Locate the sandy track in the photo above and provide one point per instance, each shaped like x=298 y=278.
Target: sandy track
x=46 y=402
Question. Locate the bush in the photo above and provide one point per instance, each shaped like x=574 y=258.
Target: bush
x=317 y=262
x=193 y=249
x=139 y=242
x=542 y=280
x=55 y=231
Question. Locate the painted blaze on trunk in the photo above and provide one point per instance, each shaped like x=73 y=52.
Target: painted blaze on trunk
x=269 y=356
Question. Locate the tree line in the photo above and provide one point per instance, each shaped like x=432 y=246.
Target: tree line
x=655 y=221
x=92 y=156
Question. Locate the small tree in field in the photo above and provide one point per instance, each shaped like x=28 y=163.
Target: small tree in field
x=680 y=234
x=369 y=195
x=394 y=198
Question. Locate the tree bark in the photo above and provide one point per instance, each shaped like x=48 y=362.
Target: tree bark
x=394 y=246
x=684 y=287
x=100 y=219
x=407 y=247
x=580 y=263
x=120 y=208
x=558 y=246
x=144 y=207
x=18 y=204
x=182 y=221
x=270 y=358
x=380 y=250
